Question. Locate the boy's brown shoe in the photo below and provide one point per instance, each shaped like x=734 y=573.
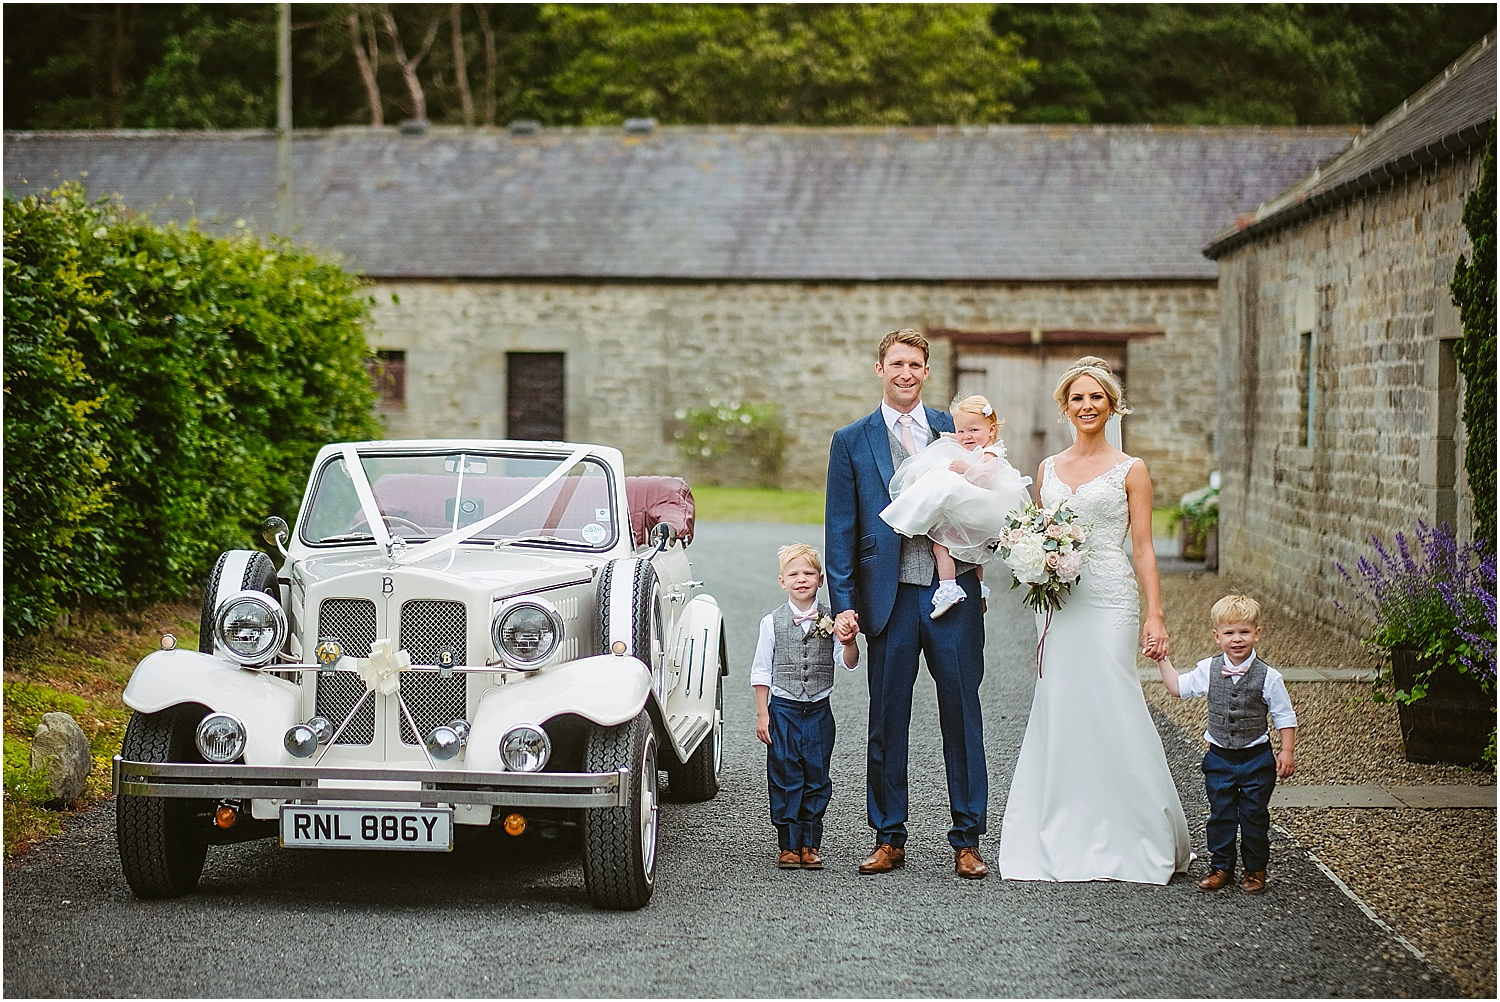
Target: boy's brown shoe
x=883 y=859
x=811 y=858
x=1216 y=880
x=790 y=859
x=1254 y=881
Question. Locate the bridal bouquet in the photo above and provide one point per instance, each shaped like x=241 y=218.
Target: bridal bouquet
x=1043 y=547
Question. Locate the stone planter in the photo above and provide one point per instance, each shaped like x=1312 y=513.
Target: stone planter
x=1451 y=723
x=1189 y=541
x=1195 y=542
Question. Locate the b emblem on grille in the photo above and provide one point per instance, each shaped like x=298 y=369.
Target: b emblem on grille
x=387 y=585
x=328 y=651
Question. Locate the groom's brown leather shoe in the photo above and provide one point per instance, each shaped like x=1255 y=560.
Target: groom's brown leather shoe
x=883 y=859
x=1254 y=882
x=967 y=863
x=812 y=859
x=790 y=859
x=1215 y=880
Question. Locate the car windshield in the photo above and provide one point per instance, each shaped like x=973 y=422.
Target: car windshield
x=423 y=496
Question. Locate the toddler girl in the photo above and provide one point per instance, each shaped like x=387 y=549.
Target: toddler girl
x=957 y=492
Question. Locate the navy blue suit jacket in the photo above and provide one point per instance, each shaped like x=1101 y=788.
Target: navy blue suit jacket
x=863 y=559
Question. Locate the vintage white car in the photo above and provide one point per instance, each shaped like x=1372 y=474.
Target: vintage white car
x=461 y=633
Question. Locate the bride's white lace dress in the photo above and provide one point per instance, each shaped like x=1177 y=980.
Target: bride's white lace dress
x=1092 y=797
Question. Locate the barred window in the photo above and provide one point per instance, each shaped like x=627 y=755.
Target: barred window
x=388 y=375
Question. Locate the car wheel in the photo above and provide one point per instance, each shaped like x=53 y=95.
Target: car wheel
x=619 y=843
x=160 y=846
x=628 y=609
x=234 y=571
x=697 y=779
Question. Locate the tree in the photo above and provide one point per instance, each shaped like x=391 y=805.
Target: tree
x=823 y=64
x=1232 y=64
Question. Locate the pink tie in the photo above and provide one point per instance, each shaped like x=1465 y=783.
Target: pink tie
x=908 y=442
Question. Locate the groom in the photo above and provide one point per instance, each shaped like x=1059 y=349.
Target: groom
x=881 y=584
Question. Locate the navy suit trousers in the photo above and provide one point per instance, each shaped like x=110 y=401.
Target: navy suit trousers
x=798 y=769
x=953 y=646
x=1239 y=783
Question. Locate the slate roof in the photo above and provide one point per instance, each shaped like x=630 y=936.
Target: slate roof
x=712 y=202
x=1449 y=116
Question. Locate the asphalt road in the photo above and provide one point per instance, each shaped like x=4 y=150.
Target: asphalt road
x=503 y=917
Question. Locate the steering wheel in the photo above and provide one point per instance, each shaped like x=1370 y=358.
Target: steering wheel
x=394 y=520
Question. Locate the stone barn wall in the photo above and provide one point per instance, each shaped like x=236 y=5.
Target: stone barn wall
x=1362 y=291
x=637 y=353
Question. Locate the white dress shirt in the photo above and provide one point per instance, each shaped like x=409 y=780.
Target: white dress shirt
x=1193 y=684
x=920 y=432
x=762 y=666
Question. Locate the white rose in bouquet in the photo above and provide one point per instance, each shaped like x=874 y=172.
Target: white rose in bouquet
x=1028 y=561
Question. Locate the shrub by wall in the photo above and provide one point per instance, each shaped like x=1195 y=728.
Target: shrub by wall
x=164 y=390
x=1474 y=295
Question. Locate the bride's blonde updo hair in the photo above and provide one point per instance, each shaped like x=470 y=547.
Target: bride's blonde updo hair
x=1090 y=365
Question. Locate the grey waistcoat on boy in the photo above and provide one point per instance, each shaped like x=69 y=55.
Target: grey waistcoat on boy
x=917 y=564
x=1236 y=711
x=801 y=664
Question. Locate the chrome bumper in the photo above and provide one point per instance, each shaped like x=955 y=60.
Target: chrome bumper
x=309 y=784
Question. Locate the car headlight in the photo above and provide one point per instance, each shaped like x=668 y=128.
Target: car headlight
x=526 y=632
x=251 y=627
x=221 y=738
x=525 y=748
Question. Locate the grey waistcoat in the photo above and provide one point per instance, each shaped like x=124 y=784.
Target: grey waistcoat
x=917 y=565
x=801 y=664
x=1236 y=710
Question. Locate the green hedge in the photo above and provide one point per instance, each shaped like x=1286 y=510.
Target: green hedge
x=164 y=390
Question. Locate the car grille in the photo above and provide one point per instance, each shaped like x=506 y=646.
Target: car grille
x=352 y=623
x=426 y=628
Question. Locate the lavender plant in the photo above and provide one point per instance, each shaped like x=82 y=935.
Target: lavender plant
x=1435 y=596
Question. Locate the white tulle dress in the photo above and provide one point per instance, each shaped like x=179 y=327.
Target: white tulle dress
x=1092 y=797
x=963 y=511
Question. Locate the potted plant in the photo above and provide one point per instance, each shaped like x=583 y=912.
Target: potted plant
x=1196 y=518
x=1432 y=601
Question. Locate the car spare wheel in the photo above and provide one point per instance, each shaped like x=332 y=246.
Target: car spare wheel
x=234 y=571
x=629 y=612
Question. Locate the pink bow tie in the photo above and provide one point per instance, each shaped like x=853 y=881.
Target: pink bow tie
x=805 y=617
x=1229 y=672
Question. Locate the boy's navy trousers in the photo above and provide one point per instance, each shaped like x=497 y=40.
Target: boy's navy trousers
x=1239 y=783
x=798 y=764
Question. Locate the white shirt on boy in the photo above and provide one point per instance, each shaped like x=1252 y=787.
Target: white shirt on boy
x=1194 y=684
x=762 y=666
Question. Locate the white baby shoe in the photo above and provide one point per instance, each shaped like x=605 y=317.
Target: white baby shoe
x=948 y=595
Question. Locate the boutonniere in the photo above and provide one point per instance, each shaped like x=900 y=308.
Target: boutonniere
x=824 y=626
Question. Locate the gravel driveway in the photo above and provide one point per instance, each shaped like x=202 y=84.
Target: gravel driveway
x=506 y=917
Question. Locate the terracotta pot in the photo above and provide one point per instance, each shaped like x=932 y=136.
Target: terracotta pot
x=1452 y=723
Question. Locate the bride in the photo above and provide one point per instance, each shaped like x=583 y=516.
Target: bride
x=1092 y=797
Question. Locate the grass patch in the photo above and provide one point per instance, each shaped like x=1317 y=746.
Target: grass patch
x=80 y=669
x=758 y=504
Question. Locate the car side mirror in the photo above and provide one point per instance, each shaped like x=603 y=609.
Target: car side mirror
x=663 y=535
x=275 y=531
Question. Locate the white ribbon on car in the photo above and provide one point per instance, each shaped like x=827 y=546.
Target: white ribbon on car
x=381 y=671
x=457 y=536
x=366 y=497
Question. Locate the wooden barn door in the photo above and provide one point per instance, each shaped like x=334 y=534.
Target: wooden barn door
x=1018 y=380
x=534 y=401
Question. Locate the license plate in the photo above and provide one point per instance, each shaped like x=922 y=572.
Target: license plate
x=429 y=828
